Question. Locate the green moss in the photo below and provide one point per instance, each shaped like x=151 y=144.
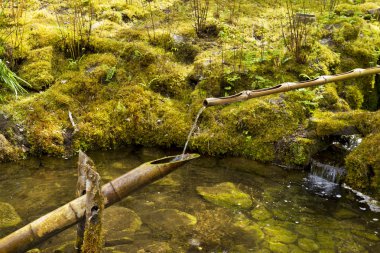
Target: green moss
x=98 y=66
x=326 y=124
x=260 y=213
x=363 y=165
x=278 y=247
x=112 y=15
x=8 y=152
x=298 y=151
x=326 y=241
x=279 y=234
x=307 y=244
x=38 y=69
x=42 y=35
x=226 y=195
x=330 y=99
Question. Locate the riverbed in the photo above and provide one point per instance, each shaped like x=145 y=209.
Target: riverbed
x=273 y=210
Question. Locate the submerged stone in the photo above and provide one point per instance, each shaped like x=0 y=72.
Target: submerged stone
x=226 y=195
x=261 y=213
x=371 y=237
x=8 y=216
x=295 y=249
x=169 y=220
x=277 y=247
x=279 y=234
x=307 y=244
x=120 y=223
x=305 y=231
x=158 y=247
x=343 y=213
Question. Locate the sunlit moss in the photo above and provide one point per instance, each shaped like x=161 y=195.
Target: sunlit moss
x=38 y=69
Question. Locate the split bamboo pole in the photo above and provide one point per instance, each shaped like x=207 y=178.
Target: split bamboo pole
x=72 y=212
x=248 y=94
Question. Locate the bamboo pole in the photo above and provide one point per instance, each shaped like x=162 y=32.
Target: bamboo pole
x=72 y=212
x=248 y=94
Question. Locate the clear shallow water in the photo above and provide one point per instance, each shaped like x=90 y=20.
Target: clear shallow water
x=286 y=215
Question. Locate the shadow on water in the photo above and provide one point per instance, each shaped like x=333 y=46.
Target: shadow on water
x=208 y=205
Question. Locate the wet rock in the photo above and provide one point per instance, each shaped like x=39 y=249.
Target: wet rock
x=226 y=195
x=249 y=231
x=116 y=242
x=169 y=180
x=158 y=247
x=343 y=213
x=327 y=251
x=261 y=213
x=279 y=234
x=307 y=244
x=120 y=223
x=305 y=231
x=8 y=216
x=295 y=249
x=169 y=220
x=371 y=237
x=277 y=247
x=350 y=247
x=7 y=151
x=33 y=251
x=67 y=247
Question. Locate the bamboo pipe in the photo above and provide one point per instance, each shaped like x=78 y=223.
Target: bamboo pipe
x=69 y=214
x=248 y=94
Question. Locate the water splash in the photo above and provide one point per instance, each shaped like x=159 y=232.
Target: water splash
x=324 y=179
x=193 y=129
x=373 y=204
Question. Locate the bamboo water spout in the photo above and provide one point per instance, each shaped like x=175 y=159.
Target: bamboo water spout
x=248 y=94
x=69 y=214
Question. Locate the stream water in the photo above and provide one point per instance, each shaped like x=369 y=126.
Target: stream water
x=171 y=215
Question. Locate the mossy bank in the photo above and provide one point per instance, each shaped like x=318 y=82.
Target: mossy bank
x=137 y=73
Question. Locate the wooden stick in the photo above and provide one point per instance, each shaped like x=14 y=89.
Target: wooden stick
x=81 y=190
x=93 y=242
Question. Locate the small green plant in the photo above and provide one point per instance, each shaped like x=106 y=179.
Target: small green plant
x=110 y=74
x=75 y=26
x=10 y=80
x=200 y=10
x=74 y=63
x=12 y=19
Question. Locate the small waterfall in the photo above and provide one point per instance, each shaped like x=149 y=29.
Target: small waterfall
x=328 y=172
x=324 y=179
x=193 y=129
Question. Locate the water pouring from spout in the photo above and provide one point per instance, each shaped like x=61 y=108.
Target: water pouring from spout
x=192 y=129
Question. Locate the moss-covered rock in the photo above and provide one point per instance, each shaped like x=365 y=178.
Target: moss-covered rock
x=38 y=70
x=363 y=165
x=278 y=247
x=354 y=97
x=307 y=244
x=8 y=152
x=8 y=216
x=226 y=195
x=260 y=213
x=280 y=234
